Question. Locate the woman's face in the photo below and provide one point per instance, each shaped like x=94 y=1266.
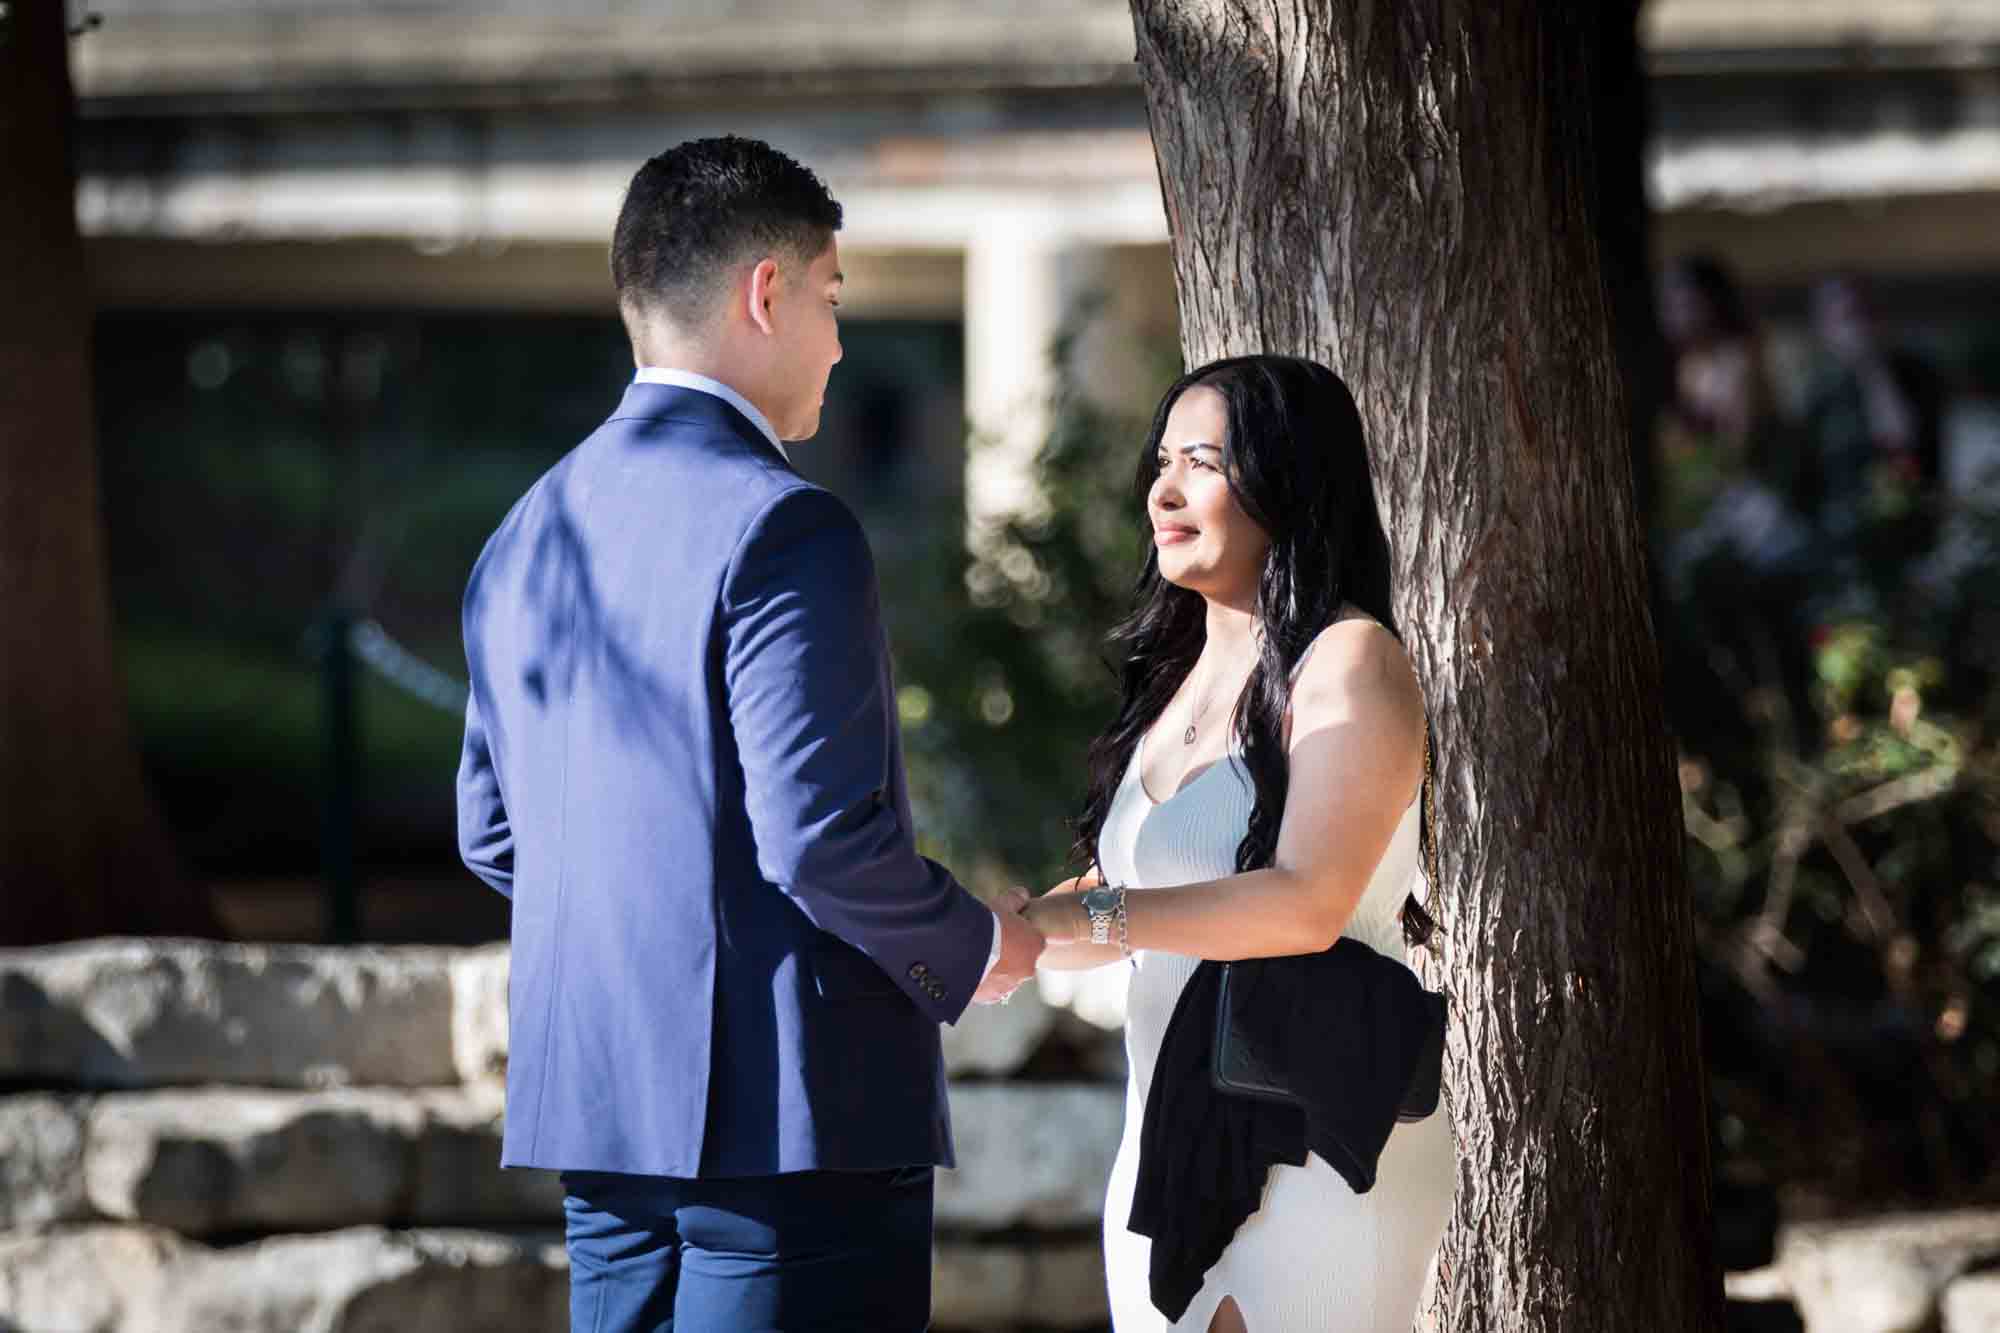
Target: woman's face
x=1205 y=542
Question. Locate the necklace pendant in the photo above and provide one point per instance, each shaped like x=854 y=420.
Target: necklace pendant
x=1187 y=737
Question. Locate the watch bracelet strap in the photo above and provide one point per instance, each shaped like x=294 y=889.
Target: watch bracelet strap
x=1124 y=925
x=1101 y=926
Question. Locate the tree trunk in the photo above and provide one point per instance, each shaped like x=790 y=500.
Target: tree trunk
x=1409 y=191
x=82 y=851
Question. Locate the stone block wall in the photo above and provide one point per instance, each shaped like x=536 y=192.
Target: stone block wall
x=287 y=1139
x=284 y=1139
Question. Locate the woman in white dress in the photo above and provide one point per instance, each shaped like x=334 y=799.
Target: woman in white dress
x=1257 y=796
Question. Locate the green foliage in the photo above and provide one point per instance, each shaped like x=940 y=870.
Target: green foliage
x=1849 y=924
x=999 y=654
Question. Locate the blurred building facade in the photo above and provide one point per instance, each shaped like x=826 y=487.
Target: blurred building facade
x=993 y=157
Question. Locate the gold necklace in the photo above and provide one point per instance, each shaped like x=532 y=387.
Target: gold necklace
x=1187 y=737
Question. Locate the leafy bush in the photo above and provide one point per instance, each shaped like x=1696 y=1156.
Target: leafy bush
x=1849 y=923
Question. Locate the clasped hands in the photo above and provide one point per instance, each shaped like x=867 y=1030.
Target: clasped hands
x=1027 y=926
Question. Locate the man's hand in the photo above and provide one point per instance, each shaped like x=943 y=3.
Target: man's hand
x=1059 y=918
x=1020 y=946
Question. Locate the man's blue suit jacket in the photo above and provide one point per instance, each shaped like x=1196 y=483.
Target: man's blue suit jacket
x=682 y=764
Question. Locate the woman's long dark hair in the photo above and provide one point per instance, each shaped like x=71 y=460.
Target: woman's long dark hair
x=1297 y=464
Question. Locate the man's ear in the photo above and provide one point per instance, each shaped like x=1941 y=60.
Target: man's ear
x=762 y=291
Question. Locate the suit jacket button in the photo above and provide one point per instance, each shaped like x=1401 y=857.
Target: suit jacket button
x=918 y=971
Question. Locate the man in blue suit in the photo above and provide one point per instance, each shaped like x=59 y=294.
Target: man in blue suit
x=682 y=765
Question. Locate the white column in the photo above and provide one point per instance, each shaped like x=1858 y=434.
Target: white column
x=1016 y=287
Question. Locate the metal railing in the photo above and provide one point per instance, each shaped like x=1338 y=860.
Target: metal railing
x=341 y=640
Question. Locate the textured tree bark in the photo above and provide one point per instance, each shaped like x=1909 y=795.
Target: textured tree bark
x=1409 y=191
x=82 y=851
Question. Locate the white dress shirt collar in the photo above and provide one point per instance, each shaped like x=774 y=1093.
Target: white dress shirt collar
x=687 y=379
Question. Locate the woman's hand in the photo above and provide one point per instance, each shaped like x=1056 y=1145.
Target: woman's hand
x=1059 y=915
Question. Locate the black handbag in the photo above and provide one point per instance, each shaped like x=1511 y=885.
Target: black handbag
x=1256 y=1054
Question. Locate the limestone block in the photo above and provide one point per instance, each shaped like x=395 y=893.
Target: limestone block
x=1055 y=1284
x=372 y=1280
x=479 y=1013
x=231 y=1160
x=89 y=1279
x=1759 y=1300
x=1884 y=1275
x=998 y=1038
x=1034 y=1154
x=458 y=1179
x=120 y=1013
x=1101 y=1050
x=41 y=1160
x=1757 y=1286
x=219 y=1160
x=1972 y=1304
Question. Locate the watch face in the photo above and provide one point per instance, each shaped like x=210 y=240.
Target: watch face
x=1100 y=899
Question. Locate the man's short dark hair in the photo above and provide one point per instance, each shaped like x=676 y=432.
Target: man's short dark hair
x=704 y=206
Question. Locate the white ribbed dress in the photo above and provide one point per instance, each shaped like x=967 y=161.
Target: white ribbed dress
x=1315 y=1257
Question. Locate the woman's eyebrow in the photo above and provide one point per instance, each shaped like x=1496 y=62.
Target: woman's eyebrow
x=1193 y=445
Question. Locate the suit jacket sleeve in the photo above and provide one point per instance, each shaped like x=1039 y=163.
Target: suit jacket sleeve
x=485 y=838
x=809 y=700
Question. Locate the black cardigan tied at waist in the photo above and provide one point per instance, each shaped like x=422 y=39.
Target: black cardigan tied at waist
x=1361 y=1042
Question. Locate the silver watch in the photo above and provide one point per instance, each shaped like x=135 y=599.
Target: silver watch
x=1106 y=907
